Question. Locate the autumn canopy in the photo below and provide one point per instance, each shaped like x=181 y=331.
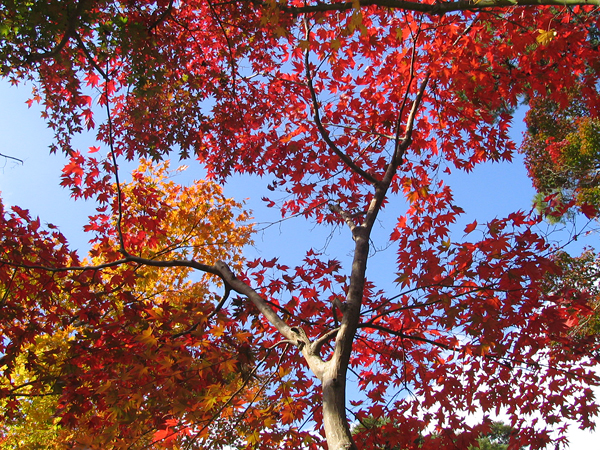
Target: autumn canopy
x=164 y=336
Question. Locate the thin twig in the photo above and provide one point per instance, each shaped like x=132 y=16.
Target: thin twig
x=210 y=316
x=401 y=148
x=262 y=388
x=11 y=157
x=116 y=169
x=406 y=336
x=411 y=77
x=230 y=399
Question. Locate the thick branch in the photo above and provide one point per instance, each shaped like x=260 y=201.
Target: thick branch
x=407 y=336
x=232 y=283
x=72 y=22
x=294 y=334
x=347 y=218
x=318 y=343
x=128 y=259
x=240 y=287
x=436 y=8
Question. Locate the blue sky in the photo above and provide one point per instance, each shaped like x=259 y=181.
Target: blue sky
x=491 y=190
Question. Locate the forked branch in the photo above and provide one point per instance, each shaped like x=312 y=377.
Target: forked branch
x=381 y=189
x=347 y=218
x=322 y=131
x=410 y=123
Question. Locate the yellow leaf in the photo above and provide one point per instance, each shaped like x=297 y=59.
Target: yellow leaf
x=253 y=438
x=209 y=402
x=155 y=313
x=105 y=387
x=304 y=44
x=355 y=21
x=546 y=36
x=335 y=44
x=146 y=337
x=280 y=31
x=229 y=365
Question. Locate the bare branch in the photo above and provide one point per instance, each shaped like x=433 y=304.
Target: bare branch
x=264 y=385
x=11 y=157
x=407 y=139
x=347 y=218
x=210 y=316
x=230 y=399
x=382 y=187
x=411 y=77
x=128 y=259
x=232 y=61
x=162 y=16
x=89 y=56
x=113 y=155
x=370 y=133
x=242 y=288
x=231 y=282
x=407 y=336
x=319 y=342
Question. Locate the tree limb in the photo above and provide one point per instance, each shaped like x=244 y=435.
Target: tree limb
x=435 y=8
x=337 y=209
x=2 y=155
x=72 y=22
x=318 y=343
x=406 y=336
x=323 y=132
x=382 y=188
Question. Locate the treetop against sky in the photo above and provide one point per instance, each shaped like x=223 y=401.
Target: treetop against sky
x=165 y=336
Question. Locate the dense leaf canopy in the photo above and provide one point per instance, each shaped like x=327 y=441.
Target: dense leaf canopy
x=563 y=156
x=165 y=337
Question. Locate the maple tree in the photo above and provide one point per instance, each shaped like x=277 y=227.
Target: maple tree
x=147 y=322
x=498 y=437
x=561 y=149
x=579 y=274
x=342 y=107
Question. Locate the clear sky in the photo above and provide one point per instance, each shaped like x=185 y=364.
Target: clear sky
x=491 y=190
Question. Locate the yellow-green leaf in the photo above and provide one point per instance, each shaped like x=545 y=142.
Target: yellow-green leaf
x=545 y=36
x=146 y=337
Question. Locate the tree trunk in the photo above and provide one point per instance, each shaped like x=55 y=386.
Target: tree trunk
x=337 y=430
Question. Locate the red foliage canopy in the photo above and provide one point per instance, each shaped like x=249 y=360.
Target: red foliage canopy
x=339 y=106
